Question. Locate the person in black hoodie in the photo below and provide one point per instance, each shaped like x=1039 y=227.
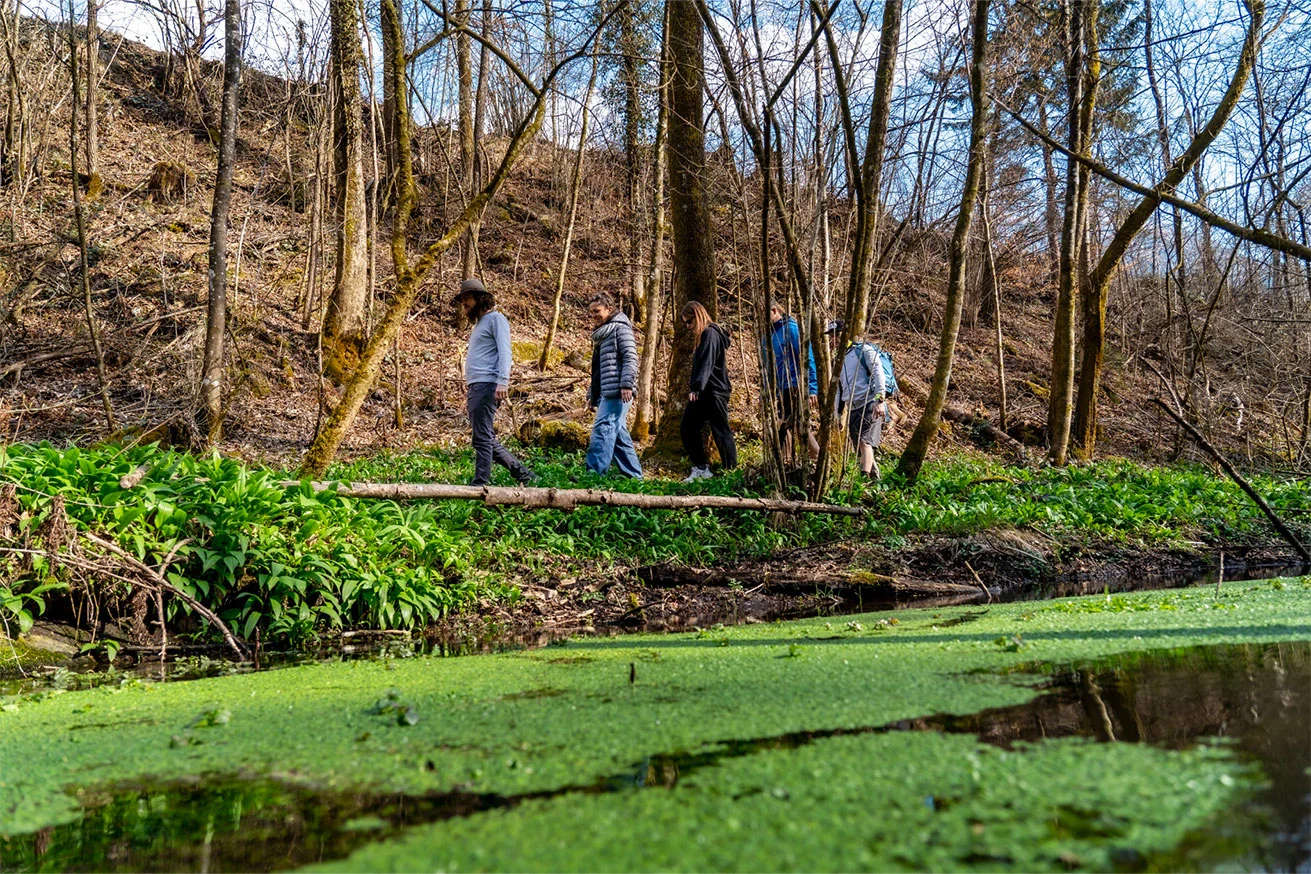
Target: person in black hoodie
x=707 y=402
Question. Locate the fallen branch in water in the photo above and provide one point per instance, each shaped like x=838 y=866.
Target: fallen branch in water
x=569 y=499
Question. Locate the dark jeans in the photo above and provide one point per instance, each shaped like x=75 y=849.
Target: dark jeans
x=712 y=410
x=486 y=448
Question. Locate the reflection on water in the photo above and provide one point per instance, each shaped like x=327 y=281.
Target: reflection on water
x=1256 y=696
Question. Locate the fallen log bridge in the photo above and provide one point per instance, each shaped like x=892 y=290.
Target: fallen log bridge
x=568 y=499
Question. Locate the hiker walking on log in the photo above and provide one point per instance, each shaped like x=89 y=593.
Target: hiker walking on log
x=863 y=387
x=487 y=376
x=782 y=347
x=707 y=402
x=614 y=373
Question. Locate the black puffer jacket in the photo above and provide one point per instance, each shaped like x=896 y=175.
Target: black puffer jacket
x=710 y=362
x=614 y=359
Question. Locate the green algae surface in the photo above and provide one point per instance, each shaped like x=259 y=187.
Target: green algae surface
x=577 y=715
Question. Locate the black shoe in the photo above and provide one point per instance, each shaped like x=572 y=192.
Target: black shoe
x=531 y=479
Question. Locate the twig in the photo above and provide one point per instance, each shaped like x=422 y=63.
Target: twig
x=164 y=583
x=985 y=589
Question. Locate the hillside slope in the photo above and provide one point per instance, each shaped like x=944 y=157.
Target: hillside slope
x=148 y=253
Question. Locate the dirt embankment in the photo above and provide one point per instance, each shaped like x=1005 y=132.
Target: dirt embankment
x=845 y=577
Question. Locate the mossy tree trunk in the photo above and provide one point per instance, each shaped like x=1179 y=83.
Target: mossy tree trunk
x=344 y=323
x=694 y=256
x=1099 y=282
x=912 y=459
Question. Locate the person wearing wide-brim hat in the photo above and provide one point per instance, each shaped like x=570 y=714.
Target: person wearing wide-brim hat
x=487 y=378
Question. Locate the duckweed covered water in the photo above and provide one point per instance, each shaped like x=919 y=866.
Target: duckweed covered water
x=947 y=740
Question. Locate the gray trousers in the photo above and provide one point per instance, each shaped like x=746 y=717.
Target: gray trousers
x=486 y=448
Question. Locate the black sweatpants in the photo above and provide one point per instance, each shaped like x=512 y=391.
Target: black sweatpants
x=712 y=410
x=482 y=404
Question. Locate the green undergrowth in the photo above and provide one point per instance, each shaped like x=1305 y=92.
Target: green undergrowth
x=293 y=564
x=582 y=713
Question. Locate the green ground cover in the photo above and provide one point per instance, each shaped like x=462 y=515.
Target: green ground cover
x=586 y=711
x=294 y=564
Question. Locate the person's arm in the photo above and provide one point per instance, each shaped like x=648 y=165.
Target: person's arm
x=501 y=331
x=628 y=364
x=703 y=361
x=877 y=380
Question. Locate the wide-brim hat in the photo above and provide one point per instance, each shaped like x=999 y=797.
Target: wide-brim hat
x=470 y=286
x=834 y=327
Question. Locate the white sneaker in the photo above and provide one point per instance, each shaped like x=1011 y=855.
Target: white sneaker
x=698 y=473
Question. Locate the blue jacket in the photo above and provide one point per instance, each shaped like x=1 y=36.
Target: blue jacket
x=786 y=341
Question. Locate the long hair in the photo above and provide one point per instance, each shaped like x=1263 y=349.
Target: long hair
x=700 y=318
x=483 y=303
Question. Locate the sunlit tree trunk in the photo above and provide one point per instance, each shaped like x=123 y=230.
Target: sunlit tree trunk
x=92 y=96
x=912 y=459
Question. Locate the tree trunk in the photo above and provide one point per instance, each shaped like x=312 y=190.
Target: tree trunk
x=464 y=73
x=569 y=499
x=344 y=325
x=211 y=383
x=655 y=261
x=694 y=265
x=480 y=118
x=912 y=459
x=92 y=95
x=1099 y=282
x=575 y=183
x=1059 y=402
x=79 y=214
x=630 y=72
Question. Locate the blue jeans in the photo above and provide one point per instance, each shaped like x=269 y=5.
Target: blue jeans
x=610 y=440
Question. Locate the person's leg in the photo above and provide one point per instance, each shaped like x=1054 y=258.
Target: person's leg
x=625 y=452
x=601 y=446
x=723 y=434
x=480 y=399
x=814 y=447
x=690 y=428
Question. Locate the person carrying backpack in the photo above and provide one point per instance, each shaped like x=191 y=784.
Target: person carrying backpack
x=863 y=387
x=614 y=373
x=782 y=347
x=707 y=402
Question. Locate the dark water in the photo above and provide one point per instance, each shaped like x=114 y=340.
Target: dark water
x=1256 y=696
